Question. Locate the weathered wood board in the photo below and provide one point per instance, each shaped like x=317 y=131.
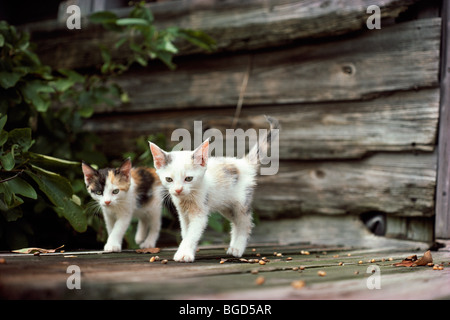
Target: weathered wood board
x=404 y=121
x=394 y=183
x=235 y=25
x=399 y=57
x=347 y=230
x=443 y=183
x=129 y=275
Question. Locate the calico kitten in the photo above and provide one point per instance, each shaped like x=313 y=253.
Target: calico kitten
x=199 y=184
x=122 y=193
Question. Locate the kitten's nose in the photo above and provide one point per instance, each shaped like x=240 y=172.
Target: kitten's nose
x=178 y=191
x=108 y=202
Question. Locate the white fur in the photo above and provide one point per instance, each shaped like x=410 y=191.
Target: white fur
x=122 y=209
x=209 y=191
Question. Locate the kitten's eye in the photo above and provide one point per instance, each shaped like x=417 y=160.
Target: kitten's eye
x=99 y=193
x=168 y=179
x=115 y=191
x=188 y=179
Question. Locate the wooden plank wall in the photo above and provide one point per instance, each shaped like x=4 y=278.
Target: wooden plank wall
x=443 y=184
x=359 y=108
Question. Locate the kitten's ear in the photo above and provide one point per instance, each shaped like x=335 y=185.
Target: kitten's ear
x=125 y=168
x=88 y=172
x=160 y=157
x=200 y=155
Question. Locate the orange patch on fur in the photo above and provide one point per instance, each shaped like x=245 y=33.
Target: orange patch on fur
x=155 y=175
x=119 y=180
x=136 y=177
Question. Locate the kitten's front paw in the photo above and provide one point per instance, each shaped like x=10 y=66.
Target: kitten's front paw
x=112 y=247
x=139 y=239
x=184 y=256
x=147 y=244
x=236 y=252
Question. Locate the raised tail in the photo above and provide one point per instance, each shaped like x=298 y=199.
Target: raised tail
x=261 y=147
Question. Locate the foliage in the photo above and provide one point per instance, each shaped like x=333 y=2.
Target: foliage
x=144 y=40
x=27 y=88
x=42 y=112
x=142 y=155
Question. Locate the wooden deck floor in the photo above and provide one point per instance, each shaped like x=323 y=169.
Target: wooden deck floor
x=130 y=275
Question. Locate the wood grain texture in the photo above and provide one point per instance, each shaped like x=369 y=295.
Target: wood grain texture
x=250 y=25
x=398 y=122
x=346 y=229
x=396 y=184
x=235 y=25
x=442 y=224
x=400 y=57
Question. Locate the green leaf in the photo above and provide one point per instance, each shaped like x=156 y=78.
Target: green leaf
x=3 y=120
x=16 y=201
x=140 y=60
x=103 y=17
x=2 y=40
x=72 y=75
x=119 y=43
x=124 y=97
x=8 y=199
x=32 y=92
x=3 y=137
x=48 y=162
x=21 y=137
x=74 y=214
x=9 y=79
x=137 y=48
x=132 y=21
x=86 y=111
x=168 y=46
x=62 y=84
x=59 y=191
x=166 y=57
x=7 y=160
x=86 y=100
x=140 y=11
x=198 y=38
x=20 y=186
x=7 y=195
x=56 y=187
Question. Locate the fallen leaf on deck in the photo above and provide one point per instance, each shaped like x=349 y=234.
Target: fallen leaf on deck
x=412 y=261
x=426 y=259
x=148 y=250
x=34 y=250
x=407 y=262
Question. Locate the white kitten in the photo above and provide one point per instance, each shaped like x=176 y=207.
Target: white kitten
x=123 y=193
x=199 y=184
